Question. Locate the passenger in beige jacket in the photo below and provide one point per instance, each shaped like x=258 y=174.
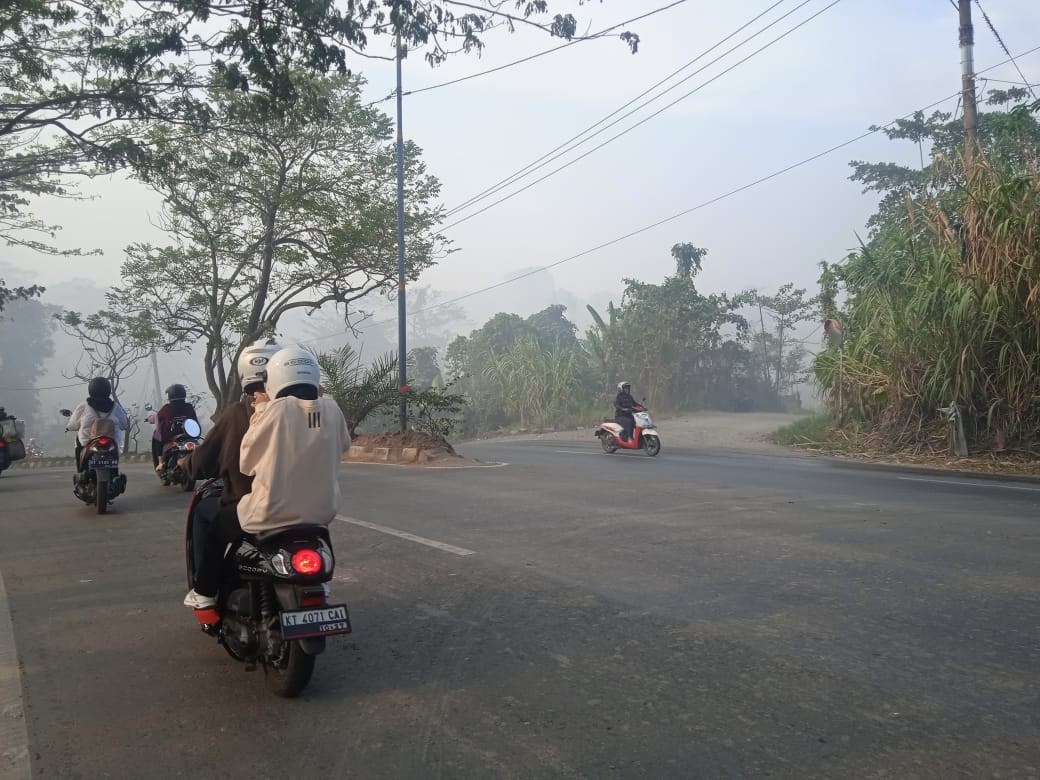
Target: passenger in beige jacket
x=293 y=449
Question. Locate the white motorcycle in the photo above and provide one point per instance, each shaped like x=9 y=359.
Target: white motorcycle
x=644 y=437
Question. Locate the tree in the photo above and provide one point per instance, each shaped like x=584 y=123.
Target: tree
x=942 y=302
x=688 y=259
x=271 y=215
x=9 y=294
x=25 y=346
x=114 y=343
x=782 y=358
x=70 y=72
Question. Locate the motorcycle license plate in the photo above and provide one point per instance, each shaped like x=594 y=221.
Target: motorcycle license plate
x=103 y=463
x=321 y=621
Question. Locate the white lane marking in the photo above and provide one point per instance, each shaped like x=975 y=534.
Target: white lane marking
x=449 y=548
x=576 y=452
x=14 y=737
x=980 y=483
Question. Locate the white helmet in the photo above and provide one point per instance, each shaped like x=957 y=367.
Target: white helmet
x=252 y=363
x=292 y=366
x=622 y=385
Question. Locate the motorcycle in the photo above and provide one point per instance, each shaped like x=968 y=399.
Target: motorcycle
x=272 y=608
x=98 y=481
x=12 y=447
x=645 y=436
x=185 y=440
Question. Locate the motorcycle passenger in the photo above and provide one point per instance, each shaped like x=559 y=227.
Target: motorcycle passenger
x=215 y=524
x=624 y=403
x=99 y=405
x=293 y=449
x=171 y=416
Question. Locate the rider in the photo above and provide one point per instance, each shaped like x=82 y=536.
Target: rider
x=624 y=404
x=293 y=448
x=216 y=520
x=172 y=415
x=99 y=405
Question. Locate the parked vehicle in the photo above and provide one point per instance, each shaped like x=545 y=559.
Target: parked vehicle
x=98 y=481
x=186 y=438
x=272 y=609
x=12 y=448
x=645 y=436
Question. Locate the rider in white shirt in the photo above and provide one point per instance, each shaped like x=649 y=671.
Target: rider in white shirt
x=99 y=404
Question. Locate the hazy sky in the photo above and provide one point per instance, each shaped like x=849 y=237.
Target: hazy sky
x=861 y=62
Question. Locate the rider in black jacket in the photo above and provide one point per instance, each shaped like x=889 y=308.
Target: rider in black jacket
x=623 y=406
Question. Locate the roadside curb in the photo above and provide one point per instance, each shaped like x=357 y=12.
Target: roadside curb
x=932 y=471
x=45 y=463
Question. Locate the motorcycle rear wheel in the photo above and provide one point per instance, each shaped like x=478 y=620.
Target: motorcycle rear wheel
x=290 y=678
x=102 y=497
x=609 y=444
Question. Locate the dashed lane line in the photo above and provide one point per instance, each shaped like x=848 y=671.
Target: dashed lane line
x=442 y=546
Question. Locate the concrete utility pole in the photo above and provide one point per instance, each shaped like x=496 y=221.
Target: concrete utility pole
x=402 y=346
x=967 y=41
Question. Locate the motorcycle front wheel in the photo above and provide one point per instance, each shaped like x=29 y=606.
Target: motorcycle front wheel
x=652 y=445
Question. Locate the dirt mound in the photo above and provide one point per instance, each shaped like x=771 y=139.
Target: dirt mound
x=407 y=447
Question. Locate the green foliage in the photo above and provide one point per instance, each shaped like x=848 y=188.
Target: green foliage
x=269 y=215
x=814 y=429
x=360 y=391
x=943 y=302
x=10 y=294
x=436 y=411
x=25 y=346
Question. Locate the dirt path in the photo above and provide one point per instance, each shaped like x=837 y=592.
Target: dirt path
x=709 y=430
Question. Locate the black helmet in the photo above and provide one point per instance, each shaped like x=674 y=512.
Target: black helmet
x=99 y=387
x=176 y=392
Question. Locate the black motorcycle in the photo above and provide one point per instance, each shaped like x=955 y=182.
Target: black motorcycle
x=186 y=437
x=272 y=608
x=98 y=481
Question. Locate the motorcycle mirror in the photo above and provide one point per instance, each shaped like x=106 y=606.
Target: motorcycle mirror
x=148 y=407
x=65 y=412
x=192 y=428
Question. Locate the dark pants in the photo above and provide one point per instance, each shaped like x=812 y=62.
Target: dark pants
x=213 y=528
x=156 y=452
x=628 y=425
x=79 y=451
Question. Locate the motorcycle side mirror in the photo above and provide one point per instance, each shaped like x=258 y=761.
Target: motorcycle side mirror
x=192 y=428
x=65 y=412
x=148 y=407
x=643 y=402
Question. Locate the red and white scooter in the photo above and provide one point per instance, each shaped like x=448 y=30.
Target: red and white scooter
x=645 y=436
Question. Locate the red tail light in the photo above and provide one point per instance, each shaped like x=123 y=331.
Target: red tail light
x=190 y=446
x=306 y=562
x=104 y=442
x=312 y=601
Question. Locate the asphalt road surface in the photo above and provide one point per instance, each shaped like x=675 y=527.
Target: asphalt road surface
x=569 y=615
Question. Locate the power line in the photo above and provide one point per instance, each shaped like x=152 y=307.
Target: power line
x=683 y=213
x=698 y=207
x=641 y=121
x=563 y=148
x=522 y=60
x=1000 y=40
x=36 y=389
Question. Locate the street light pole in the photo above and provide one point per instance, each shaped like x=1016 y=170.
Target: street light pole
x=402 y=349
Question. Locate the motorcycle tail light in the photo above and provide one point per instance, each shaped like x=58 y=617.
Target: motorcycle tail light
x=312 y=601
x=306 y=561
x=190 y=446
x=104 y=442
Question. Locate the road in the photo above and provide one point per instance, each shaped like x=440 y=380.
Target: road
x=568 y=615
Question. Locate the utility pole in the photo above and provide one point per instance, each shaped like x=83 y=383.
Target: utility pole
x=155 y=375
x=967 y=43
x=402 y=349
